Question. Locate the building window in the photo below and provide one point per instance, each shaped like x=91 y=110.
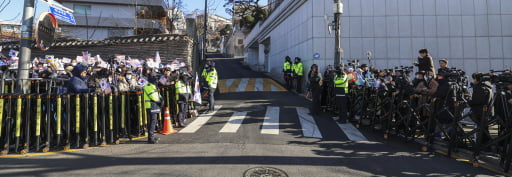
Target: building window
x=117 y=32
x=82 y=9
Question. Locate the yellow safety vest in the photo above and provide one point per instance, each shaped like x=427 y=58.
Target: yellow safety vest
x=341 y=82
x=150 y=94
x=211 y=77
x=287 y=66
x=298 y=69
x=181 y=87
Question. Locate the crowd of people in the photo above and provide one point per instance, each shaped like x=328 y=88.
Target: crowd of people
x=98 y=78
x=337 y=88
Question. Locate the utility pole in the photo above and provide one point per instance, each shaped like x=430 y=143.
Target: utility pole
x=25 y=46
x=205 y=28
x=338 y=55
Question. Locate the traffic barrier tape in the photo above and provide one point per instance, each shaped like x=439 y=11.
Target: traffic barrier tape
x=38 y=116
x=59 y=115
x=77 y=114
x=18 y=116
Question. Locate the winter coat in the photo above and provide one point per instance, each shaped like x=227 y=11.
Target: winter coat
x=77 y=84
x=426 y=64
x=482 y=95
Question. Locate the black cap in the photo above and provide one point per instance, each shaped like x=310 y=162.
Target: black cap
x=364 y=65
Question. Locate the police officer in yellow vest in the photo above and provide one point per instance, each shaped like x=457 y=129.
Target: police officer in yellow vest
x=341 y=91
x=298 y=70
x=183 y=96
x=210 y=75
x=288 y=72
x=152 y=101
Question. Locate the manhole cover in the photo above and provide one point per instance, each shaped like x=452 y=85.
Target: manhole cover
x=265 y=172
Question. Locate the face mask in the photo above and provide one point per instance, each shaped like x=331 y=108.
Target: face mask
x=387 y=82
x=73 y=64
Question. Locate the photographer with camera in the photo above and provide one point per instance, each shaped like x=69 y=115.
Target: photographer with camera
x=482 y=95
x=443 y=66
x=425 y=62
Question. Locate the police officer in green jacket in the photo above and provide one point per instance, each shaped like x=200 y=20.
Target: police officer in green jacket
x=210 y=76
x=341 y=91
x=183 y=96
x=151 y=95
x=288 y=72
x=298 y=70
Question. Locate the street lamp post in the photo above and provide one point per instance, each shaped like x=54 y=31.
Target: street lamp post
x=338 y=55
x=205 y=28
x=25 y=45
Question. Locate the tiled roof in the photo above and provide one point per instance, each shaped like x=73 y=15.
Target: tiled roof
x=109 y=41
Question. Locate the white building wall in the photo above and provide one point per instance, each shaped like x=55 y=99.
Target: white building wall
x=474 y=35
x=471 y=34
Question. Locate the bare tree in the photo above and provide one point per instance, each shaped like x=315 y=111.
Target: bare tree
x=248 y=11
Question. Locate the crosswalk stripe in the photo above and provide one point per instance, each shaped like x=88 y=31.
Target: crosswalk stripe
x=259 y=85
x=309 y=127
x=234 y=122
x=271 y=121
x=229 y=82
x=242 y=85
x=234 y=85
x=200 y=121
x=352 y=132
x=250 y=85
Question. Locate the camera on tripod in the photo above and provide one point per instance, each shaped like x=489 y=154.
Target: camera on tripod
x=353 y=63
x=406 y=70
x=504 y=77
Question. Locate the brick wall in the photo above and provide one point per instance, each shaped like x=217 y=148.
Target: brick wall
x=169 y=50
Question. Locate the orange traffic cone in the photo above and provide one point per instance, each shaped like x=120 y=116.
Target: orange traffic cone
x=167 y=123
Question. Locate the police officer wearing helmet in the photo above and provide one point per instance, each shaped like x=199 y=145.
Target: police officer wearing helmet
x=210 y=76
x=341 y=91
x=288 y=72
x=152 y=101
x=298 y=70
x=183 y=96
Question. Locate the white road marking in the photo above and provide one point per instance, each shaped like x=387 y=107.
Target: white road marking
x=352 y=132
x=309 y=127
x=199 y=122
x=271 y=121
x=274 y=88
x=229 y=82
x=242 y=85
x=234 y=122
x=258 y=87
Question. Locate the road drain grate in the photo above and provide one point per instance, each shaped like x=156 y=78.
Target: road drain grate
x=265 y=172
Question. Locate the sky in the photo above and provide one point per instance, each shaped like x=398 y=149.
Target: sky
x=14 y=11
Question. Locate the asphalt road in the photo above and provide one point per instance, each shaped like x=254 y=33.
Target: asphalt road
x=262 y=127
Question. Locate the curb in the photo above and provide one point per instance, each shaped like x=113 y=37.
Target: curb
x=59 y=152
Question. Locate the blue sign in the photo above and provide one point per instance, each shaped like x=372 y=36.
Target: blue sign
x=316 y=56
x=62 y=15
